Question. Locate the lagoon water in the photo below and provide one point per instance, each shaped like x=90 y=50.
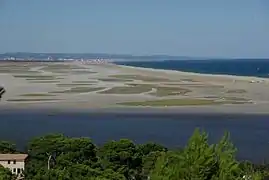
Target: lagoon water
x=250 y=133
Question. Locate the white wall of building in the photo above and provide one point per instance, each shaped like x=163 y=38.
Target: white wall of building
x=12 y=166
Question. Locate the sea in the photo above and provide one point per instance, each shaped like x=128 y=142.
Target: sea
x=249 y=133
x=239 y=67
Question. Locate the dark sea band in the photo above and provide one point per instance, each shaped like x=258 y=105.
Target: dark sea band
x=242 y=67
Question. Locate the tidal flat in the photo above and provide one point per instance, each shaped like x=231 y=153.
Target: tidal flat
x=76 y=85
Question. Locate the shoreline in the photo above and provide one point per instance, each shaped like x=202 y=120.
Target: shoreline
x=186 y=110
x=237 y=77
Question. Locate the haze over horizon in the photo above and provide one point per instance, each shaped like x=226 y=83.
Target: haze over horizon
x=228 y=29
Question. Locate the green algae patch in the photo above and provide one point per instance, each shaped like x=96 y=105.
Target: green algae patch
x=172 y=102
x=128 y=90
x=141 y=78
x=31 y=100
x=170 y=91
x=37 y=95
x=44 y=81
x=36 y=77
x=237 y=91
x=114 y=80
x=74 y=84
x=80 y=90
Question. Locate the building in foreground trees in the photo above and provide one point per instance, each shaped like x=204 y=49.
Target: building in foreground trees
x=14 y=162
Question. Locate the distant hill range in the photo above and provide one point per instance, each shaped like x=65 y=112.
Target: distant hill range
x=118 y=57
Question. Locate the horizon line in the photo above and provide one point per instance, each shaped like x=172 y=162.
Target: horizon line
x=145 y=55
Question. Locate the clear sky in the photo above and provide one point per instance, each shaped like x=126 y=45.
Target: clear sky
x=207 y=28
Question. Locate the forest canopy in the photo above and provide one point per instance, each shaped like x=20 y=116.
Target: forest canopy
x=58 y=157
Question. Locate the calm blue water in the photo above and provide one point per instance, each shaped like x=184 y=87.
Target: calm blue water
x=248 y=132
x=259 y=68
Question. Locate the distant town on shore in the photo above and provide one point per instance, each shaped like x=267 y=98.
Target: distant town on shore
x=20 y=56
x=102 y=57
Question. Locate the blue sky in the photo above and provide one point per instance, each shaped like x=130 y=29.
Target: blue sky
x=204 y=28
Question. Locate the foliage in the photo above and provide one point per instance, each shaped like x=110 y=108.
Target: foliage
x=63 y=153
x=57 y=157
x=201 y=161
x=127 y=158
x=7 y=147
x=5 y=174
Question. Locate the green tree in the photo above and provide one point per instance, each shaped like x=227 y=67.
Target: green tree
x=7 y=147
x=148 y=162
x=145 y=149
x=79 y=172
x=196 y=161
x=119 y=156
x=201 y=161
x=63 y=152
x=148 y=153
x=80 y=159
x=228 y=166
x=5 y=174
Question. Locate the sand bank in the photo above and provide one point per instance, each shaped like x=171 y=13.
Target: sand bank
x=75 y=86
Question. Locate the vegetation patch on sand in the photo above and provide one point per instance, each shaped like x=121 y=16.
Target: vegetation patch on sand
x=180 y=102
x=82 y=72
x=212 y=97
x=237 y=102
x=61 y=66
x=236 y=99
x=74 y=84
x=189 y=80
x=17 y=71
x=229 y=100
x=140 y=84
x=205 y=86
x=170 y=91
x=127 y=90
x=114 y=80
x=80 y=90
x=239 y=91
x=37 y=95
x=194 y=85
x=40 y=79
x=34 y=77
x=44 y=81
x=86 y=81
x=178 y=84
x=162 y=90
x=141 y=78
x=61 y=71
x=172 y=102
x=22 y=64
x=31 y=100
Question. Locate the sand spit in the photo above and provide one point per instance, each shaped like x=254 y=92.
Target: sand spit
x=77 y=86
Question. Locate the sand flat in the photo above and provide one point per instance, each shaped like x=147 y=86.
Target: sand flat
x=241 y=91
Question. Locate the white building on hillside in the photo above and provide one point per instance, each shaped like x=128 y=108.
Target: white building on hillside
x=14 y=162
